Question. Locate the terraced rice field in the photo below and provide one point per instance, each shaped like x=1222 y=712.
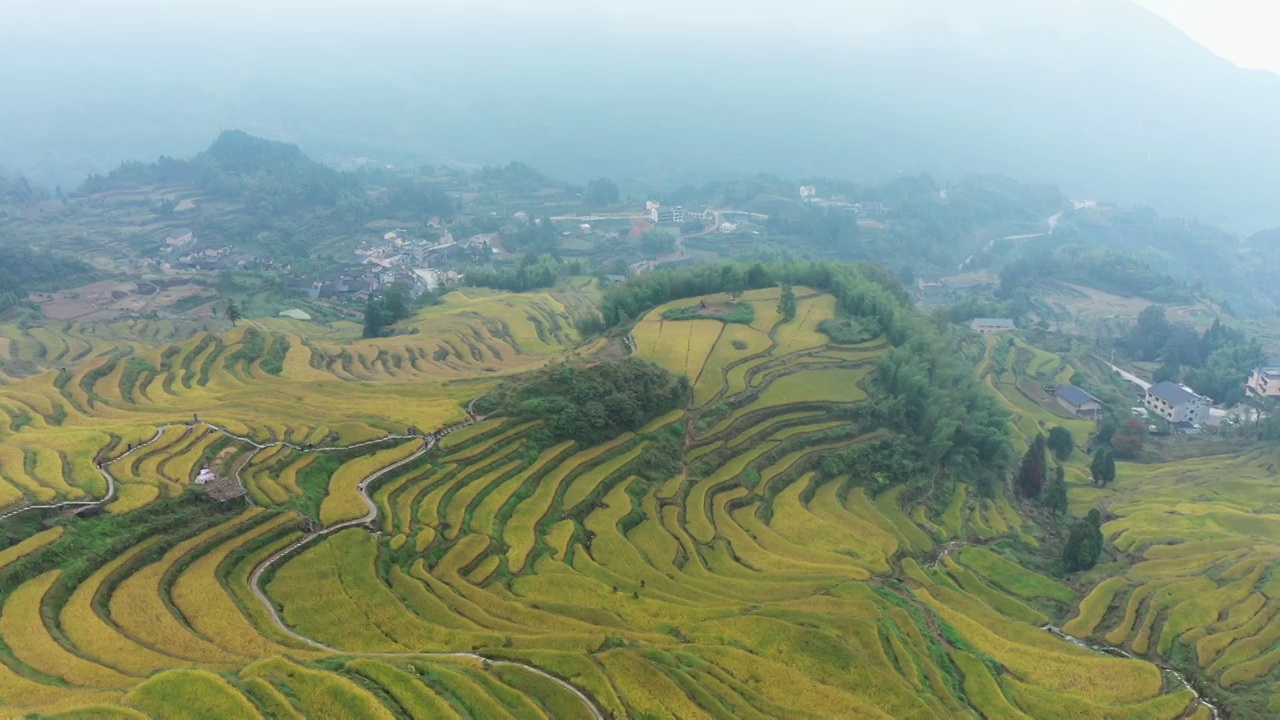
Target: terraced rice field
x=518 y=578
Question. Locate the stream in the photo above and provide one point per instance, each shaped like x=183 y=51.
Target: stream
x=1165 y=670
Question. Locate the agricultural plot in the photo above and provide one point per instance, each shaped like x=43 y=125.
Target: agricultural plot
x=743 y=582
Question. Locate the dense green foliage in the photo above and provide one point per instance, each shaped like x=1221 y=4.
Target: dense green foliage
x=1031 y=474
x=601 y=193
x=1084 y=544
x=1054 y=496
x=268 y=177
x=923 y=388
x=787 y=303
x=1103 y=466
x=23 y=269
x=1215 y=364
x=20 y=191
x=590 y=403
x=1060 y=442
x=848 y=330
x=386 y=308
x=533 y=273
x=1093 y=266
x=657 y=242
x=88 y=543
x=744 y=313
x=287 y=199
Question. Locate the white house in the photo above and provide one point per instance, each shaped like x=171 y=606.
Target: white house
x=726 y=228
x=1265 y=381
x=180 y=237
x=1177 y=403
x=668 y=215
x=990 y=326
x=808 y=192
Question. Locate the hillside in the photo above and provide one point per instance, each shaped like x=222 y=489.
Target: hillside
x=1098 y=95
x=814 y=506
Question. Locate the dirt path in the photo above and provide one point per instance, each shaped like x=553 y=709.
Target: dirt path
x=255 y=576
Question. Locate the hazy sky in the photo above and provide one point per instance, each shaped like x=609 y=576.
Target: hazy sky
x=1242 y=31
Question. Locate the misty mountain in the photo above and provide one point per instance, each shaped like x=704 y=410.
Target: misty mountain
x=1099 y=96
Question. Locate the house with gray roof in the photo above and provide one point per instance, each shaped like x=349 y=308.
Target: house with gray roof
x=1177 y=403
x=988 y=326
x=1077 y=401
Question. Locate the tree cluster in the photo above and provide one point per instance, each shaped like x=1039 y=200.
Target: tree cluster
x=533 y=273
x=590 y=403
x=386 y=308
x=923 y=388
x=787 y=303
x=1032 y=471
x=23 y=269
x=1060 y=442
x=1215 y=363
x=1084 y=543
x=601 y=193
x=1103 y=466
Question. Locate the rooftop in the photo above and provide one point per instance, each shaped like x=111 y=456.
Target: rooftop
x=993 y=322
x=1173 y=393
x=1074 y=395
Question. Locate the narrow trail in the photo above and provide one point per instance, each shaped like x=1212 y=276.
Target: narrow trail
x=255 y=576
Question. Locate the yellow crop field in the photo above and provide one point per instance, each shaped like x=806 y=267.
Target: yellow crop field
x=30 y=545
x=1093 y=607
x=709 y=564
x=23 y=631
x=681 y=346
x=802 y=332
x=736 y=342
x=344 y=501
x=320 y=694
x=193 y=694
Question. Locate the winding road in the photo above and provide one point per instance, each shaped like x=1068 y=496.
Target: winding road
x=255 y=576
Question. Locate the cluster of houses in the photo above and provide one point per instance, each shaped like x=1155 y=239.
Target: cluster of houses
x=866 y=209
x=668 y=214
x=947 y=290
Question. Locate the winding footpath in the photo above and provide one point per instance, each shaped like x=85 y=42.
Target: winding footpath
x=255 y=576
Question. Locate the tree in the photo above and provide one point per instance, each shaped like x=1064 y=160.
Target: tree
x=1103 y=467
x=1055 y=492
x=1127 y=440
x=657 y=242
x=233 y=313
x=601 y=192
x=1061 y=442
x=1032 y=472
x=387 y=308
x=1171 y=371
x=1084 y=543
x=1150 y=334
x=787 y=303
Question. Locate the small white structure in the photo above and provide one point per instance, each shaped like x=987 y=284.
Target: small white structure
x=206 y=476
x=726 y=228
x=808 y=192
x=990 y=326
